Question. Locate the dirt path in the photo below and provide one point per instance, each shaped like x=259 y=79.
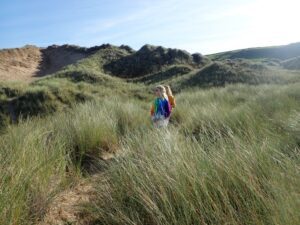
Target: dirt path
x=65 y=208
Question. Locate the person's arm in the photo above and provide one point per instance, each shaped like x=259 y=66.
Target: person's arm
x=152 y=110
x=173 y=102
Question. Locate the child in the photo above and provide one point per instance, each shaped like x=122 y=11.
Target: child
x=161 y=108
x=171 y=98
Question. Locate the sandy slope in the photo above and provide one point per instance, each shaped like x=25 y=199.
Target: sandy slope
x=30 y=62
x=66 y=207
x=20 y=63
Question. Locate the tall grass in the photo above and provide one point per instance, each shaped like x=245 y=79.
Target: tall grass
x=32 y=166
x=242 y=111
x=231 y=158
x=230 y=155
x=166 y=179
x=42 y=155
x=98 y=127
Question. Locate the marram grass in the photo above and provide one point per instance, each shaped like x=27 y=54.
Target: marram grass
x=229 y=156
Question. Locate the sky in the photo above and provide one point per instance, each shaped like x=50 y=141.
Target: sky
x=194 y=25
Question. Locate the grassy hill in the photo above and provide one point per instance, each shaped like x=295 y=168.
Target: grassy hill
x=152 y=59
x=292 y=64
x=277 y=52
x=81 y=81
x=229 y=156
x=61 y=91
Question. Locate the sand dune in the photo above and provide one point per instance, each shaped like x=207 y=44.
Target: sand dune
x=30 y=62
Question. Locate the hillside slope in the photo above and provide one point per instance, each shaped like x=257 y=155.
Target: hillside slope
x=149 y=64
x=278 y=52
x=152 y=59
x=20 y=63
x=292 y=64
x=29 y=62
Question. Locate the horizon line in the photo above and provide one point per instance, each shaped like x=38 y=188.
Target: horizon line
x=91 y=46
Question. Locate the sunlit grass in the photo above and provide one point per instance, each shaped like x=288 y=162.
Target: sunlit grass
x=230 y=155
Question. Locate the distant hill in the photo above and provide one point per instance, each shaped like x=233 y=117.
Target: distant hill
x=149 y=65
x=30 y=61
x=151 y=59
x=227 y=72
x=277 y=52
x=292 y=64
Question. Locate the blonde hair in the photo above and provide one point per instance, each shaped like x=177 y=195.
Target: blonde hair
x=168 y=90
x=162 y=91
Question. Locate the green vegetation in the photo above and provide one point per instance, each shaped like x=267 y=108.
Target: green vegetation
x=221 y=162
x=61 y=91
x=167 y=73
x=276 y=52
x=234 y=71
x=292 y=64
x=87 y=78
x=229 y=156
x=40 y=156
x=221 y=73
x=152 y=59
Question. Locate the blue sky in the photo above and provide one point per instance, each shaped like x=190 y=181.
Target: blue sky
x=195 y=25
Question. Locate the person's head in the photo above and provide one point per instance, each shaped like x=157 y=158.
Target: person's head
x=168 y=90
x=160 y=92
